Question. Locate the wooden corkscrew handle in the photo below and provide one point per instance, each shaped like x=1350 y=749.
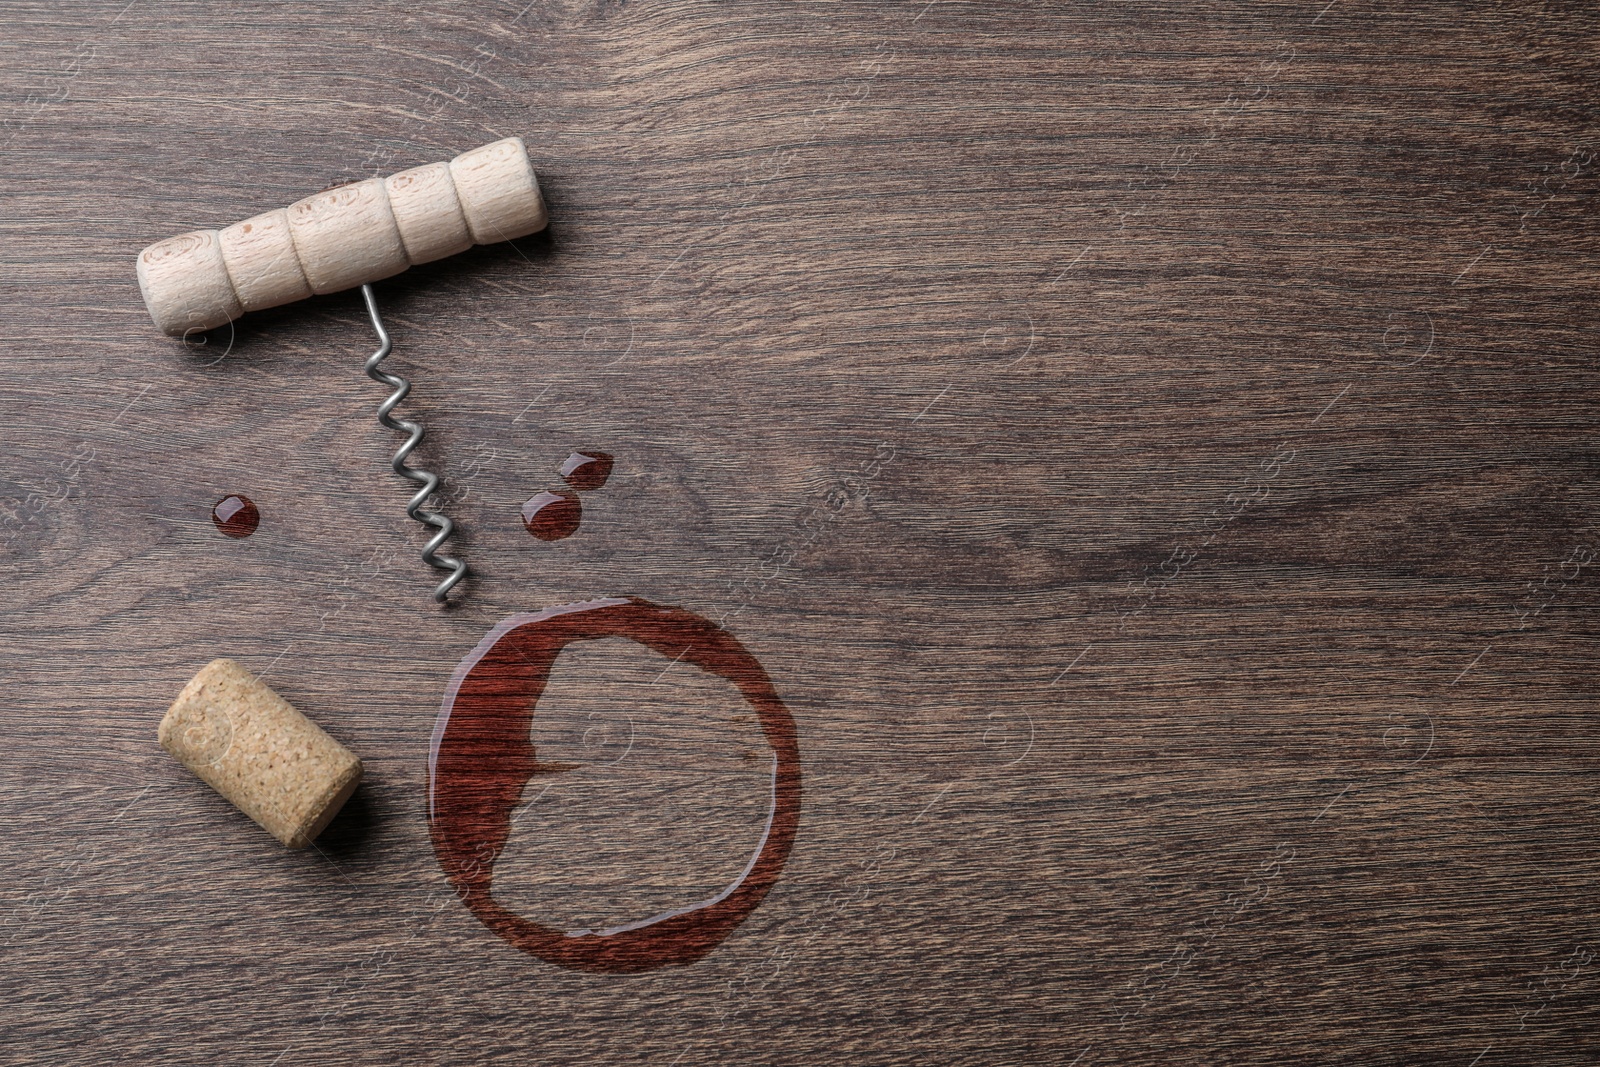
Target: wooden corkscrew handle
x=341 y=238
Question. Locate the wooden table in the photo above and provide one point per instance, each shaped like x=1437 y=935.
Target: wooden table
x=1151 y=449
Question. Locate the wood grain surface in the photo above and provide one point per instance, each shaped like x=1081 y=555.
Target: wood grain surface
x=1151 y=447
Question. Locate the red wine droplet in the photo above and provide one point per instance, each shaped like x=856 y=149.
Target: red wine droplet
x=587 y=470
x=552 y=516
x=482 y=759
x=236 y=516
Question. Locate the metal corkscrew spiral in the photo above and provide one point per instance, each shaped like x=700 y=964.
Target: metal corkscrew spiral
x=427 y=479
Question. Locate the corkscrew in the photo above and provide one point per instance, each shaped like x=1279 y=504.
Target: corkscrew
x=348 y=236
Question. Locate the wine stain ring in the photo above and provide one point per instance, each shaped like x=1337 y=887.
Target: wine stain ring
x=482 y=758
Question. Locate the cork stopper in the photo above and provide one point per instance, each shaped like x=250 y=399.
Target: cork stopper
x=253 y=747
